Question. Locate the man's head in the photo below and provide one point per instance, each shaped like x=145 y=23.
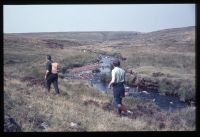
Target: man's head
x=48 y=57
x=116 y=63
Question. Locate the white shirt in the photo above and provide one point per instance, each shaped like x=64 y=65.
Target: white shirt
x=119 y=74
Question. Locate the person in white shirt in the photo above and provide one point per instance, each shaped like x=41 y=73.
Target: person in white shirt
x=117 y=82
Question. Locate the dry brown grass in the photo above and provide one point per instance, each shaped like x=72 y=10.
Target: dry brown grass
x=31 y=105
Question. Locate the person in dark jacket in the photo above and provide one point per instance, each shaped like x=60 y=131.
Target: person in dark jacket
x=51 y=75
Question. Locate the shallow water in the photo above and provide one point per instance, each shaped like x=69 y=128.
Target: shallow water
x=166 y=103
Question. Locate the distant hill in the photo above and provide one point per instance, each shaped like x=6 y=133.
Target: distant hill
x=82 y=36
x=184 y=36
x=167 y=37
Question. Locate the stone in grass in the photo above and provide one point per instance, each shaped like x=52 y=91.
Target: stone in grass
x=44 y=125
x=74 y=125
x=77 y=126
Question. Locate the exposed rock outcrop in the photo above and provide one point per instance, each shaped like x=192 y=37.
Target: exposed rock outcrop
x=143 y=83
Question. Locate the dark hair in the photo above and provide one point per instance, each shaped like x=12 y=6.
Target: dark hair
x=48 y=57
x=116 y=63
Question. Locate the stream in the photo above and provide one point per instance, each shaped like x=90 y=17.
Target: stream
x=165 y=103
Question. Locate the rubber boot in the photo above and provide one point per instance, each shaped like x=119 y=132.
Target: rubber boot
x=123 y=108
x=119 y=111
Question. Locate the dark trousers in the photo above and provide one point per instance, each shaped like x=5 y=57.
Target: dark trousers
x=118 y=93
x=52 y=78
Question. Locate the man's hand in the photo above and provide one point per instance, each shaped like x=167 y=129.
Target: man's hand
x=45 y=77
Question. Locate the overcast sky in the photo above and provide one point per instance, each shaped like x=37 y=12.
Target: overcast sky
x=120 y=17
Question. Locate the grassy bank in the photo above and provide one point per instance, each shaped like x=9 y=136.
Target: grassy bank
x=175 y=71
x=31 y=106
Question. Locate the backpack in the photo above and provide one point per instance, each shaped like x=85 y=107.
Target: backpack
x=54 y=67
